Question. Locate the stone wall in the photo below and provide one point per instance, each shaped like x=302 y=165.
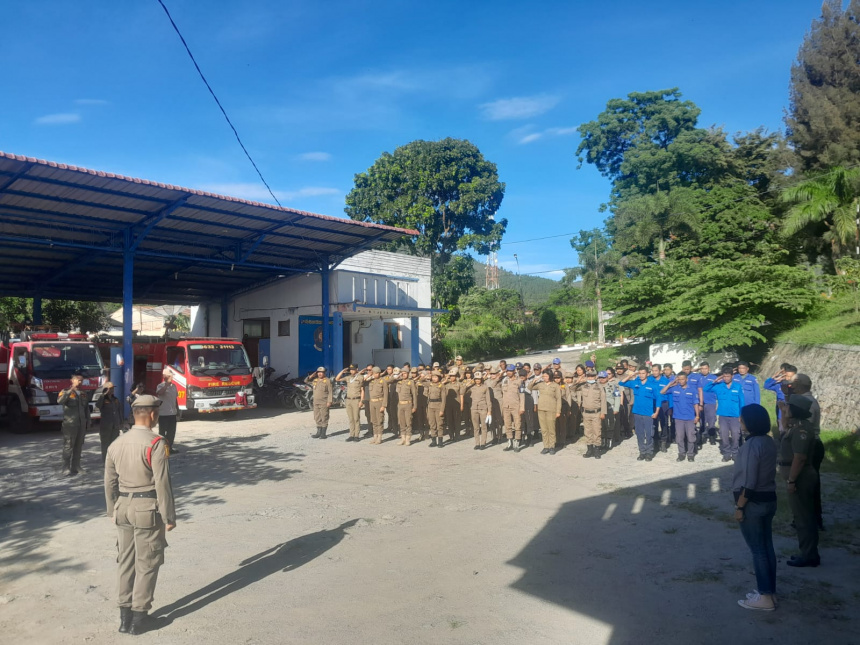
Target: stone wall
x=835 y=374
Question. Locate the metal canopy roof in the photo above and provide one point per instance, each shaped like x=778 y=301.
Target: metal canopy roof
x=64 y=231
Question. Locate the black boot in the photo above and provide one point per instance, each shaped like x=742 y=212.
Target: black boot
x=433 y=442
x=519 y=445
x=138 y=623
x=317 y=435
x=124 y=619
x=589 y=452
x=597 y=452
x=510 y=445
x=322 y=433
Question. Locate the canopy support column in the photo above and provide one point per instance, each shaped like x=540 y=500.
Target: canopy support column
x=127 y=320
x=324 y=279
x=37 y=310
x=416 y=342
x=225 y=318
x=337 y=342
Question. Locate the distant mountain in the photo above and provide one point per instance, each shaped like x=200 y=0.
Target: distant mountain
x=535 y=289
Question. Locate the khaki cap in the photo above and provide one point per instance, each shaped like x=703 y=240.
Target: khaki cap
x=375 y=370
x=108 y=385
x=395 y=371
x=320 y=369
x=146 y=401
x=453 y=372
x=458 y=358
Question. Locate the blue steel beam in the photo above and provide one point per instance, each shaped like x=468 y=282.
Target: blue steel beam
x=155 y=219
x=324 y=279
x=13 y=177
x=127 y=317
x=80 y=202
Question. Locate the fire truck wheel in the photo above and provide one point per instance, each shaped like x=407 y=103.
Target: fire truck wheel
x=19 y=423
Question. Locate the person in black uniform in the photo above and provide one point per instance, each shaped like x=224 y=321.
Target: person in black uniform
x=795 y=461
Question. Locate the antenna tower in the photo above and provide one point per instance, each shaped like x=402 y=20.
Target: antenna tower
x=491 y=280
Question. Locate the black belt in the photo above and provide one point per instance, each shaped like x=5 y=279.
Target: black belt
x=353 y=398
x=785 y=463
x=590 y=411
x=150 y=494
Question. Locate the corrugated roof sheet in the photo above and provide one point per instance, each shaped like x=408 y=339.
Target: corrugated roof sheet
x=63 y=230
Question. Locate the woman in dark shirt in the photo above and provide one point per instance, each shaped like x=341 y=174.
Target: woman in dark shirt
x=754 y=486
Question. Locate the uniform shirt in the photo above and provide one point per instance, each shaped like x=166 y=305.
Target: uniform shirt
x=354 y=386
x=127 y=471
x=662 y=382
x=775 y=386
x=453 y=392
x=709 y=397
x=378 y=389
x=322 y=389
x=481 y=398
x=111 y=410
x=730 y=397
x=694 y=380
x=76 y=408
x=513 y=395
x=613 y=395
x=550 y=395
x=799 y=440
x=167 y=394
x=407 y=392
x=435 y=392
x=682 y=400
x=591 y=397
x=645 y=400
x=752 y=393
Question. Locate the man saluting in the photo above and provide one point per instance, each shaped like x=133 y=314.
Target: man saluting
x=140 y=501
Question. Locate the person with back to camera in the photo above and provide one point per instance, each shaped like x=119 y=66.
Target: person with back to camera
x=754 y=488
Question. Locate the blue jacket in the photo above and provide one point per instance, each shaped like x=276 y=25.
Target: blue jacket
x=644 y=395
x=752 y=393
x=708 y=396
x=775 y=386
x=730 y=397
x=694 y=380
x=662 y=382
x=683 y=400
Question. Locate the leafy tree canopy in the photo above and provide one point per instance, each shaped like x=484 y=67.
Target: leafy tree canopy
x=65 y=314
x=444 y=189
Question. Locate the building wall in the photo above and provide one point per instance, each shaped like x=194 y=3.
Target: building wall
x=373 y=277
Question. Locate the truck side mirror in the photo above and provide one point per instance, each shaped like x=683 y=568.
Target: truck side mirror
x=22 y=361
x=265 y=361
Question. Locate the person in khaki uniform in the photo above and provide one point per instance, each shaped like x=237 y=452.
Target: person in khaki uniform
x=377 y=391
x=494 y=381
x=466 y=383
x=563 y=421
x=612 y=422
x=354 y=389
x=322 y=401
x=548 y=409
x=139 y=499
x=407 y=401
x=365 y=398
x=591 y=398
x=453 y=404
x=76 y=421
x=513 y=402
x=482 y=406
x=419 y=420
x=392 y=374
x=435 y=391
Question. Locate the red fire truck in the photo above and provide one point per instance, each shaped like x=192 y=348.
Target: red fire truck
x=211 y=374
x=37 y=366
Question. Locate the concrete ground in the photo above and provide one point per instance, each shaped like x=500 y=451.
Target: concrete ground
x=285 y=539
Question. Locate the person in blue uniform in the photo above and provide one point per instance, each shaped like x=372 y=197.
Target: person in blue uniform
x=645 y=392
x=707 y=405
x=786 y=373
x=683 y=399
x=730 y=400
x=752 y=392
x=664 y=417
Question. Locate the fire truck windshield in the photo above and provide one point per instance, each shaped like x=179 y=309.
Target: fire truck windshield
x=61 y=360
x=218 y=359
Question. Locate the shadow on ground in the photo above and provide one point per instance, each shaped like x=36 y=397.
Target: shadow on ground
x=35 y=500
x=282 y=558
x=644 y=564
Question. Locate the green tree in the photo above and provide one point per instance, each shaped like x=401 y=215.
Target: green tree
x=444 y=189
x=847 y=279
x=830 y=199
x=824 y=115
x=597 y=261
x=66 y=315
x=451 y=282
x=649 y=222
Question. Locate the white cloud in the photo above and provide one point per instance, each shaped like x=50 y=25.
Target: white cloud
x=521 y=107
x=257 y=192
x=91 y=102
x=62 y=118
x=314 y=156
x=524 y=136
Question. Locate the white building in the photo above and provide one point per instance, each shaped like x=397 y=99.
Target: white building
x=380 y=308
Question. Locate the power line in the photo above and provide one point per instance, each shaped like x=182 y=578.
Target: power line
x=536 y=239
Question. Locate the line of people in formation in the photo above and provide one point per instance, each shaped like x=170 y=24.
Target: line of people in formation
x=515 y=404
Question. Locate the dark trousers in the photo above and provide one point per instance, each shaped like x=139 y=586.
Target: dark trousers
x=663 y=425
x=802 y=503
x=167 y=428
x=685 y=436
x=817 y=458
x=73 y=445
x=730 y=433
x=644 y=433
x=624 y=419
x=756 y=529
x=708 y=422
x=107 y=433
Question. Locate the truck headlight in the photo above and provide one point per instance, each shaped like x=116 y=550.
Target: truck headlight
x=195 y=392
x=38 y=397
x=248 y=389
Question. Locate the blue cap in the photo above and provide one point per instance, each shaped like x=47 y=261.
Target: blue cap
x=589 y=363
x=556 y=361
x=519 y=366
x=602 y=375
x=511 y=368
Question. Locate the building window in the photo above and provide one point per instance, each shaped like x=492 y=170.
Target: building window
x=258 y=328
x=392 y=336
x=283 y=327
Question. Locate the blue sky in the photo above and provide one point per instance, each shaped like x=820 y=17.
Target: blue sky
x=318 y=90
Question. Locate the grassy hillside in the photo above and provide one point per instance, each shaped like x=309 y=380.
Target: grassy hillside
x=534 y=288
x=835 y=324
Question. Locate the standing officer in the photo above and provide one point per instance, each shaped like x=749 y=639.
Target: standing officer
x=801 y=386
x=453 y=404
x=612 y=423
x=407 y=403
x=707 y=405
x=684 y=401
x=322 y=401
x=365 y=399
x=752 y=392
x=795 y=461
x=169 y=396
x=140 y=501
x=111 y=417
x=76 y=420
x=513 y=402
x=377 y=391
x=548 y=409
x=495 y=383
x=591 y=398
x=730 y=400
x=419 y=422
x=786 y=372
x=435 y=408
x=644 y=409
x=354 y=389
x=529 y=419
x=392 y=374
x=482 y=407
x=461 y=369
x=665 y=417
